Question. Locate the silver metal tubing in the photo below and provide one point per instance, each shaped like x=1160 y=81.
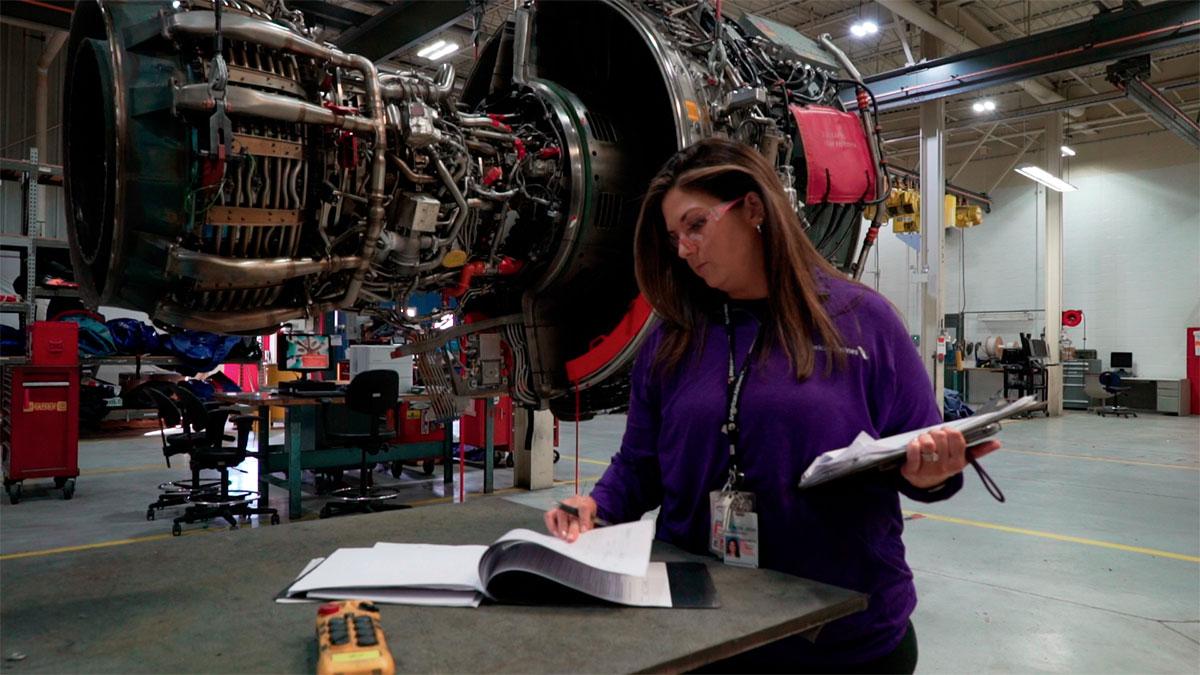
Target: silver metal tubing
x=257 y=31
x=243 y=101
x=237 y=322
x=459 y=199
x=215 y=272
x=408 y=172
x=409 y=88
x=376 y=195
x=490 y=194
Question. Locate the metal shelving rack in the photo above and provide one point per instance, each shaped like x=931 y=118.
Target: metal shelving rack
x=31 y=174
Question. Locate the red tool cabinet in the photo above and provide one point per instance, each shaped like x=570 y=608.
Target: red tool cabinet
x=39 y=431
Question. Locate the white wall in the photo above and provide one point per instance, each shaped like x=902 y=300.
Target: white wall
x=1131 y=252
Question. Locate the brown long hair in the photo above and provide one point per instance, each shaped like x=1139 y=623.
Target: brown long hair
x=727 y=170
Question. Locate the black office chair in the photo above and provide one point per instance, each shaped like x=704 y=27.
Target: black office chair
x=1111 y=381
x=177 y=492
x=204 y=436
x=372 y=393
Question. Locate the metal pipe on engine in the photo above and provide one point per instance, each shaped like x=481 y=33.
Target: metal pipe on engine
x=244 y=323
x=257 y=31
x=410 y=88
x=375 y=196
x=216 y=272
x=243 y=101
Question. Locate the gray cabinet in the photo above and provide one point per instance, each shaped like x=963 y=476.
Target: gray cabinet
x=1073 y=375
x=1173 y=396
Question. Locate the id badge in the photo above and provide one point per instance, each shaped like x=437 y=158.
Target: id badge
x=724 y=507
x=741 y=540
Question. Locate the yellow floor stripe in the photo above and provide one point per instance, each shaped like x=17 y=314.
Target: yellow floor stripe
x=1057 y=537
x=102 y=544
x=585 y=460
x=1188 y=467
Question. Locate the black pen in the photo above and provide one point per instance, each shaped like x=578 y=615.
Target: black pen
x=598 y=522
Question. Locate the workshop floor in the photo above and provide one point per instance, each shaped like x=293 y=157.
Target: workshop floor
x=1092 y=565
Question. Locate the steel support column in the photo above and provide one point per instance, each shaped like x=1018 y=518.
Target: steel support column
x=933 y=241
x=1053 y=264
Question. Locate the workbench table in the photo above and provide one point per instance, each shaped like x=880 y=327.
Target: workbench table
x=204 y=603
x=300 y=451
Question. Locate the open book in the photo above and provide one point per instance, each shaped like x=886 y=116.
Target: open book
x=883 y=453
x=608 y=563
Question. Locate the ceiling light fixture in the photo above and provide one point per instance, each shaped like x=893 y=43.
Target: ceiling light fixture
x=1067 y=151
x=1046 y=178
x=983 y=106
x=445 y=51
x=864 y=28
x=427 y=50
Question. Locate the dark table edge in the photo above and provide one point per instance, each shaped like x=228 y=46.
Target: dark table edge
x=745 y=643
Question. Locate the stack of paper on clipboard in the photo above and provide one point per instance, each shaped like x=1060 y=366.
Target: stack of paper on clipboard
x=871 y=453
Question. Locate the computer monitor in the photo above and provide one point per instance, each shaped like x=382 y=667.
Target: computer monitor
x=1038 y=349
x=1121 y=360
x=300 y=352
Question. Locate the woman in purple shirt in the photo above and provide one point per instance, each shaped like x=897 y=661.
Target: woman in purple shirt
x=743 y=297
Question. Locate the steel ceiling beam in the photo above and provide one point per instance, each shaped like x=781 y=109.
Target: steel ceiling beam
x=54 y=14
x=330 y=12
x=1106 y=37
x=1128 y=75
x=401 y=26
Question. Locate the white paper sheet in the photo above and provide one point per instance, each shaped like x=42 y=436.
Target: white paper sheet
x=403 y=596
x=396 y=566
x=623 y=549
x=864 y=448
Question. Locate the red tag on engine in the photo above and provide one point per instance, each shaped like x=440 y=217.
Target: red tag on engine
x=836 y=155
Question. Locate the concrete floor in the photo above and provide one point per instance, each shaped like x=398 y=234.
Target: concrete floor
x=1092 y=565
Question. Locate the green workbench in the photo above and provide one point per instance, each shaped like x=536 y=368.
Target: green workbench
x=204 y=603
x=300 y=451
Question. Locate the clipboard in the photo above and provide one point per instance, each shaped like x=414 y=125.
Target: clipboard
x=888 y=453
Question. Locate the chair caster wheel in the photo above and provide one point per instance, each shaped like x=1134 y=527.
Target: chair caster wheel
x=150 y=514
x=274 y=518
x=176 y=530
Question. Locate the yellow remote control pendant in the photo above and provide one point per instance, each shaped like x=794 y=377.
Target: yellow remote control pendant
x=350 y=640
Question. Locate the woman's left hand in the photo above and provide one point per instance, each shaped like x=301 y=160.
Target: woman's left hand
x=934 y=457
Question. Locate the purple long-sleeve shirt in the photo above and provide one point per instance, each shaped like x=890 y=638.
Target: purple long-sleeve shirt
x=847 y=534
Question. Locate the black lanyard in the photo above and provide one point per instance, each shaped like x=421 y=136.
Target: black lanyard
x=734 y=384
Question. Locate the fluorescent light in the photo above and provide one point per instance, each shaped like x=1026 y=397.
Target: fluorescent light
x=411 y=312
x=426 y=51
x=447 y=50
x=1047 y=179
x=989 y=105
x=1067 y=151
x=977 y=107
x=864 y=28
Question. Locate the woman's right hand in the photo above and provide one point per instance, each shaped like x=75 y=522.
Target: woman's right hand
x=566 y=526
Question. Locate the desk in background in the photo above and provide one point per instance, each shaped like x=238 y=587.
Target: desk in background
x=299 y=450
x=208 y=601
x=1172 y=396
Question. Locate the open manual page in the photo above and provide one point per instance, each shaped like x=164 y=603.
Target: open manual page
x=866 y=452
x=608 y=563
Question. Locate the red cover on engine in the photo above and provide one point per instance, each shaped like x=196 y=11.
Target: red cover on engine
x=837 y=156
